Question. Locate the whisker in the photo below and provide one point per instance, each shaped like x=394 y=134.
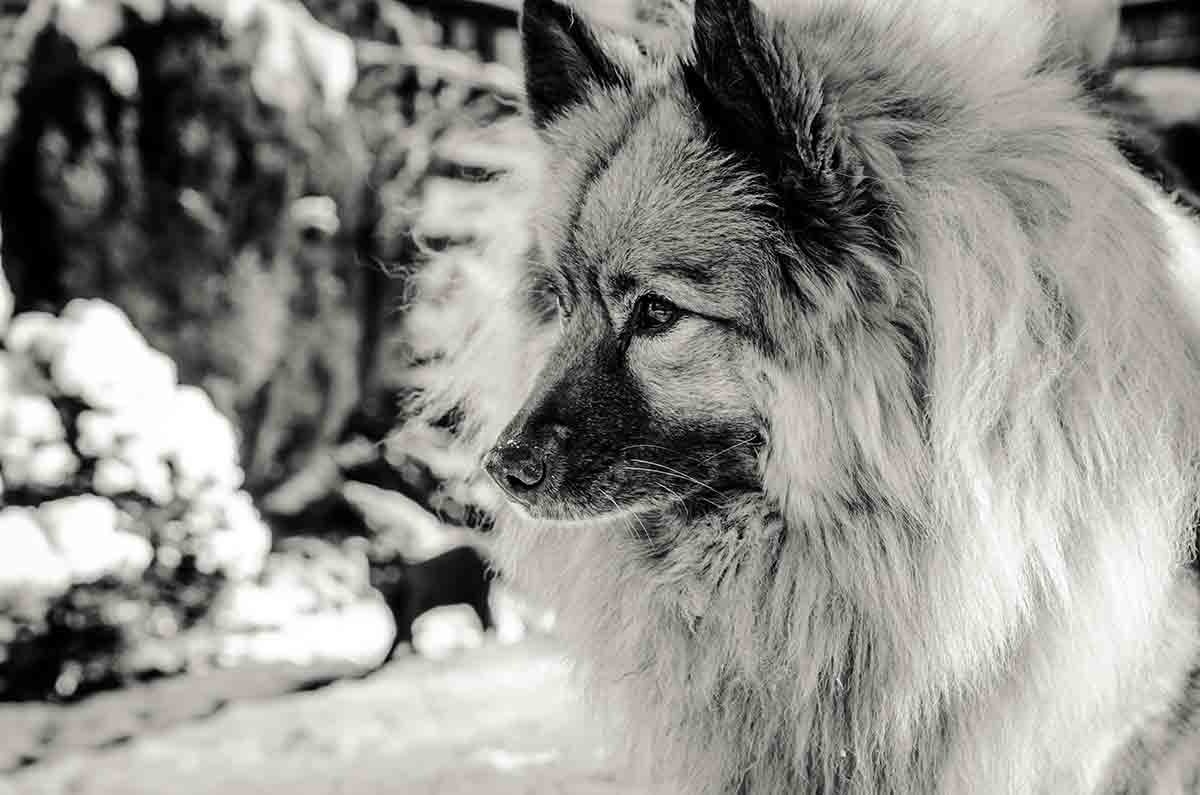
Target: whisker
x=645 y=533
x=666 y=470
x=679 y=498
x=711 y=502
x=728 y=449
x=646 y=446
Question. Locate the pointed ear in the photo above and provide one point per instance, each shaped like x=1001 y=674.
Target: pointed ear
x=761 y=101
x=729 y=73
x=564 y=60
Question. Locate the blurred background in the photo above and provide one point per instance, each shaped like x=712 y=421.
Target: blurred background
x=227 y=563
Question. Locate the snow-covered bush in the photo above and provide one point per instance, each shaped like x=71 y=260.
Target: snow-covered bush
x=29 y=563
x=87 y=534
x=115 y=480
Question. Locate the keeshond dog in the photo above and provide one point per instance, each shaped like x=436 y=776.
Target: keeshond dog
x=847 y=403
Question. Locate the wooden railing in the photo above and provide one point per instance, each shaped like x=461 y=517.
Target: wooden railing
x=1153 y=31
x=1159 y=33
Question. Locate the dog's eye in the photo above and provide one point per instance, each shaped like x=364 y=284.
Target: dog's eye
x=545 y=301
x=563 y=309
x=655 y=314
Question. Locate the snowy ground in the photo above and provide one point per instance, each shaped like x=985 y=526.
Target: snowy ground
x=501 y=720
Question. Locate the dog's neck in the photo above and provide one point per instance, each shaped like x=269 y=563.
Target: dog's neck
x=732 y=571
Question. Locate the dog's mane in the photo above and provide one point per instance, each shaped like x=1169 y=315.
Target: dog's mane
x=953 y=559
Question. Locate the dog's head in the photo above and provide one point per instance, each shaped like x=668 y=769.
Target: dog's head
x=702 y=213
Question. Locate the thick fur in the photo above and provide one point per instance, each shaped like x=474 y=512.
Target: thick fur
x=955 y=338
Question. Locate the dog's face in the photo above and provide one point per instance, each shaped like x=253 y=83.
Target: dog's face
x=643 y=400
x=659 y=261
x=646 y=263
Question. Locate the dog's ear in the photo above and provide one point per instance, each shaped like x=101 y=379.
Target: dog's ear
x=730 y=75
x=564 y=60
x=761 y=102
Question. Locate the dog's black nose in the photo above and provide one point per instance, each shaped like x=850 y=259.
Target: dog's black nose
x=517 y=468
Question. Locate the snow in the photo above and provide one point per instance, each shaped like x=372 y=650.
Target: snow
x=143 y=437
x=85 y=533
x=29 y=565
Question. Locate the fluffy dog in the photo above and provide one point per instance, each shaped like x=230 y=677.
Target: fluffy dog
x=848 y=404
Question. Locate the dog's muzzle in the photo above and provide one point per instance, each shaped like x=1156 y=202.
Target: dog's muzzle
x=522 y=468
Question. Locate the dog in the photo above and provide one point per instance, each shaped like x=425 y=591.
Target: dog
x=847 y=404
x=457 y=576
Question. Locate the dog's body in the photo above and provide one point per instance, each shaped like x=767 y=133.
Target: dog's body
x=850 y=406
